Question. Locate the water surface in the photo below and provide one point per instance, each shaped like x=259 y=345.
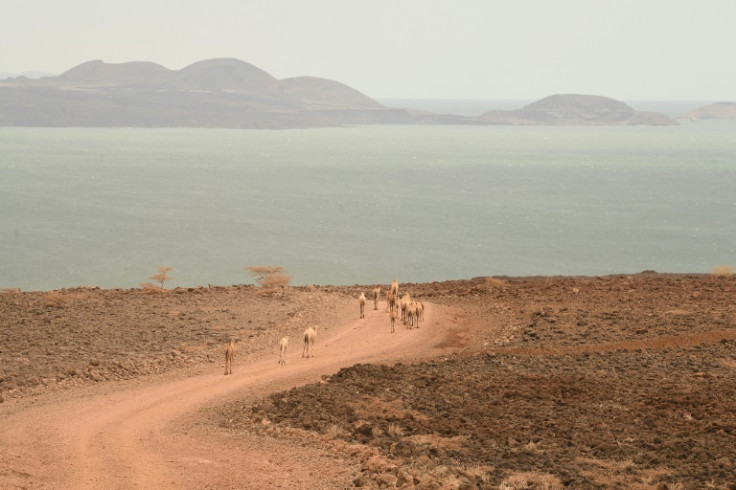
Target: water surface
x=362 y=205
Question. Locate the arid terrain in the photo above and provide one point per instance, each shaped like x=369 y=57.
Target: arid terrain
x=625 y=381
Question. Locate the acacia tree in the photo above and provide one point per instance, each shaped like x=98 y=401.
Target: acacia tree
x=270 y=277
x=160 y=278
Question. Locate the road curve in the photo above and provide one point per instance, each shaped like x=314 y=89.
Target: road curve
x=143 y=434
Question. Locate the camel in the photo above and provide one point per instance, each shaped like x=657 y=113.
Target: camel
x=310 y=334
x=229 y=356
x=390 y=300
x=393 y=320
x=420 y=311
x=361 y=299
x=283 y=346
x=395 y=287
x=376 y=295
x=404 y=304
x=411 y=314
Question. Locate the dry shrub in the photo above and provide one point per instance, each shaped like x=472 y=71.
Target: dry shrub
x=395 y=430
x=162 y=275
x=481 y=473
x=626 y=474
x=533 y=447
x=160 y=278
x=270 y=277
x=275 y=293
x=531 y=480
x=149 y=288
x=435 y=440
x=722 y=270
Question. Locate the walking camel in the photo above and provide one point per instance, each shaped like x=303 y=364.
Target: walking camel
x=376 y=295
x=310 y=334
x=283 y=346
x=361 y=300
x=229 y=356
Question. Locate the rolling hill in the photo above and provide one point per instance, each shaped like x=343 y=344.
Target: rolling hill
x=230 y=93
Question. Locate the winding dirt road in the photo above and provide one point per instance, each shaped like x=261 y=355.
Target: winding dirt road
x=149 y=433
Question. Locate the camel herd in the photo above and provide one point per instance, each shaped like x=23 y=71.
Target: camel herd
x=409 y=310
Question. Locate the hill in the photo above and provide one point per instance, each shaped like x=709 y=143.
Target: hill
x=719 y=110
x=576 y=109
x=211 y=93
x=230 y=93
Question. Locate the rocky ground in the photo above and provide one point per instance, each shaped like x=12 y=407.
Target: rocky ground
x=72 y=337
x=552 y=382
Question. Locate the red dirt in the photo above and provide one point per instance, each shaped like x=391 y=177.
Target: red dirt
x=612 y=382
x=145 y=433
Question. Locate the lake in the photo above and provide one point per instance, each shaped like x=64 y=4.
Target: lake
x=362 y=205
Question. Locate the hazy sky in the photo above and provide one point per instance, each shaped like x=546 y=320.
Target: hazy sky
x=465 y=49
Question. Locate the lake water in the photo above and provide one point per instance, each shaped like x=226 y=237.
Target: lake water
x=362 y=205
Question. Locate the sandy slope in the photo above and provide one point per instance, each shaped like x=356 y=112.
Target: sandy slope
x=144 y=434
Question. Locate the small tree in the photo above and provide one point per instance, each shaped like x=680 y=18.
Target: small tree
x=270 y=277
x=160 y=278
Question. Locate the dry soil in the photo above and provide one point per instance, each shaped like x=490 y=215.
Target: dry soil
x=535 y=382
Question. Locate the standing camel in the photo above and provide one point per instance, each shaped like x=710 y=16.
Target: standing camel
x=391 y=299
x=420 y=312
x=361 y=300
x=283 y=346
x=310 y=334
x=395 y=287
x=229 y=356
x=404 y=303
x=411 y=314
x=376 y=295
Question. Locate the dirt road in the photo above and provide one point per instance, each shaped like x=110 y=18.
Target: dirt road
x=145 y=434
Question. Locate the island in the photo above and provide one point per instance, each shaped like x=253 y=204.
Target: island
x=719 y=110
x=230 y=93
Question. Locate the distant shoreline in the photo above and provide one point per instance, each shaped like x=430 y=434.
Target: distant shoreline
x=299 y=287
x=475 y=107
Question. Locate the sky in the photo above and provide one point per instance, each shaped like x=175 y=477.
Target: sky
x=424 y=49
